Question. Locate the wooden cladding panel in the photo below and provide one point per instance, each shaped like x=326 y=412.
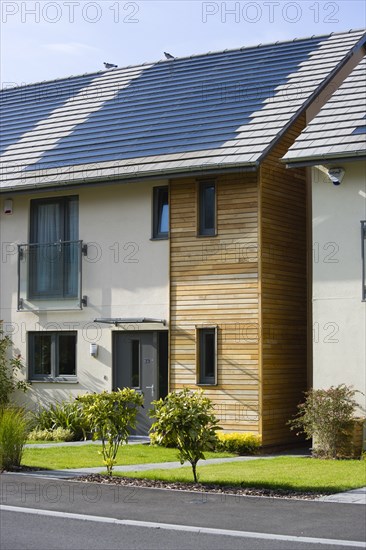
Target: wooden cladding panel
x=283 y=290
x=214 y=282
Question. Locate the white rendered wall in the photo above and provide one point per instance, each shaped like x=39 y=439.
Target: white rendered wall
x=125 y=275
x=339 y=315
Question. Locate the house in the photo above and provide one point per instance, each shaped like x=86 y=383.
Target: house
x=334 y=146
x=153 y=238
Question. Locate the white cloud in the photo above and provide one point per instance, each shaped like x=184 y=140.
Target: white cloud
x=71 y=48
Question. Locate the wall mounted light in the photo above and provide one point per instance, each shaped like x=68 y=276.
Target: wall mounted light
x=336 y=175
x=93 y=350
x=8 y=206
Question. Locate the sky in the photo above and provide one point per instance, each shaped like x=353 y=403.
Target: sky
x=46 y=39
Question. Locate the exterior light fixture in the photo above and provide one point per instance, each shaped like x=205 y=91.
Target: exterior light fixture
x=93 y=350
x=336 y=175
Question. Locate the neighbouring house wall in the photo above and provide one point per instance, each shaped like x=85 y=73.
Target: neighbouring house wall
x=339 y=315
x=214 y=282
x=124 y=275
x=283 y=291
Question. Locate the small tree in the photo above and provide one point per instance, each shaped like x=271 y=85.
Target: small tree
x=186 y=420
x=9 y=368
x=327 y=416
x=111 y=415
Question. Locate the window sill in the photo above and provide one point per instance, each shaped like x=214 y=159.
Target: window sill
x=206 y=384
x=163 y=238
x=53 y=381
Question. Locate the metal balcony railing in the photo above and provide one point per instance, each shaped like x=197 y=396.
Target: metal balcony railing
x=49 y=275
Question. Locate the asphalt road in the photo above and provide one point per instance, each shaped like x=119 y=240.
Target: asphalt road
x=58 y=514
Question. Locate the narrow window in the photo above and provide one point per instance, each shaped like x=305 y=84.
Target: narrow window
x=160 y=213
x=52 y=355
x=207 y=345
x=135 y=363
x=363 y=251
x=207 y=209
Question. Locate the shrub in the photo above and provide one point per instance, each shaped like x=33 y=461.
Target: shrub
x=13 y=435
x=59 y=434
x=67 y=415
x=186 y=421
x=9 y=368
x=328 y=417
x=240 y=443
x=111 y=415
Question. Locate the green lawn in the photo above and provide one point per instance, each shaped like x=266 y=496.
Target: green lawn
x=87 y=456
x=300 y=474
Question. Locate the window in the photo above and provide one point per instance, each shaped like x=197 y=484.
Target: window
x=54 y=248
x=207 y=345
x=135 y=363
x=52 y=355
x=363 y=244
x=160 y=213
x=207 y=209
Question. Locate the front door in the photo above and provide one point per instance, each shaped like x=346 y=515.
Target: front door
x=135 y=366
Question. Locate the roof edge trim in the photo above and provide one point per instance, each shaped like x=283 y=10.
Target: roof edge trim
x=314 y=161
x=357 y=48
x=108 y=180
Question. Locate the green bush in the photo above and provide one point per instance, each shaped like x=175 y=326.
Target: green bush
x=185 y=420
x=239 y=443
x=13 y=435
x=328 y=416
x=67 y=415
x=59 y=434
x=9 y=368
x=111 y=415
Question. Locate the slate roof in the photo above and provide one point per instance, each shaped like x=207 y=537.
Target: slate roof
x=339 y=129
x=206 y=112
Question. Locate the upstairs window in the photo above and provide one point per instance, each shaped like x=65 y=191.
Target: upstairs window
x=52 y=355
x=54 y=248
x=207 y=356
x=160 y=213
x=207 y=209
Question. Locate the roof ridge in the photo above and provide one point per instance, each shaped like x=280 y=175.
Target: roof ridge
x=193 y=56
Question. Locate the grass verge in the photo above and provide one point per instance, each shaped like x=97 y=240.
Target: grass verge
x=284 y=473
x=87 y=456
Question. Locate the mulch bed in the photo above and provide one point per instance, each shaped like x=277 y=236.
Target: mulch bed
x=198 y=487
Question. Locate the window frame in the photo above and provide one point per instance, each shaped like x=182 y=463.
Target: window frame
x=201 y=378
x=202 y=230
x=54 y=375
x=63 y=293
x=158 y=193
x=363 y=258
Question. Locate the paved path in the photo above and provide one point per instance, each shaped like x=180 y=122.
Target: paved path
x=356 y=496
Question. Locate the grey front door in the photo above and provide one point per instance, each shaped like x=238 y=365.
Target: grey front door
x=135 y=366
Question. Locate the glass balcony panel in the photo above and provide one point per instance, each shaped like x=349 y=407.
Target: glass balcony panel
x=49 y=276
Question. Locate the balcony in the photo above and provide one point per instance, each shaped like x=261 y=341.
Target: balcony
x=49 y=276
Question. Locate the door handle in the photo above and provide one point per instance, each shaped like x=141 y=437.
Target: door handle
x=152 y=388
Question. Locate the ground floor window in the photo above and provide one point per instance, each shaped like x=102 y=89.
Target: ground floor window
x=52 y=355
x=207 y=356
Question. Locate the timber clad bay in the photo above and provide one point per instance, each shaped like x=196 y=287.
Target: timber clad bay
x=214 y=282
x=283 y=290
x=249 y=281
